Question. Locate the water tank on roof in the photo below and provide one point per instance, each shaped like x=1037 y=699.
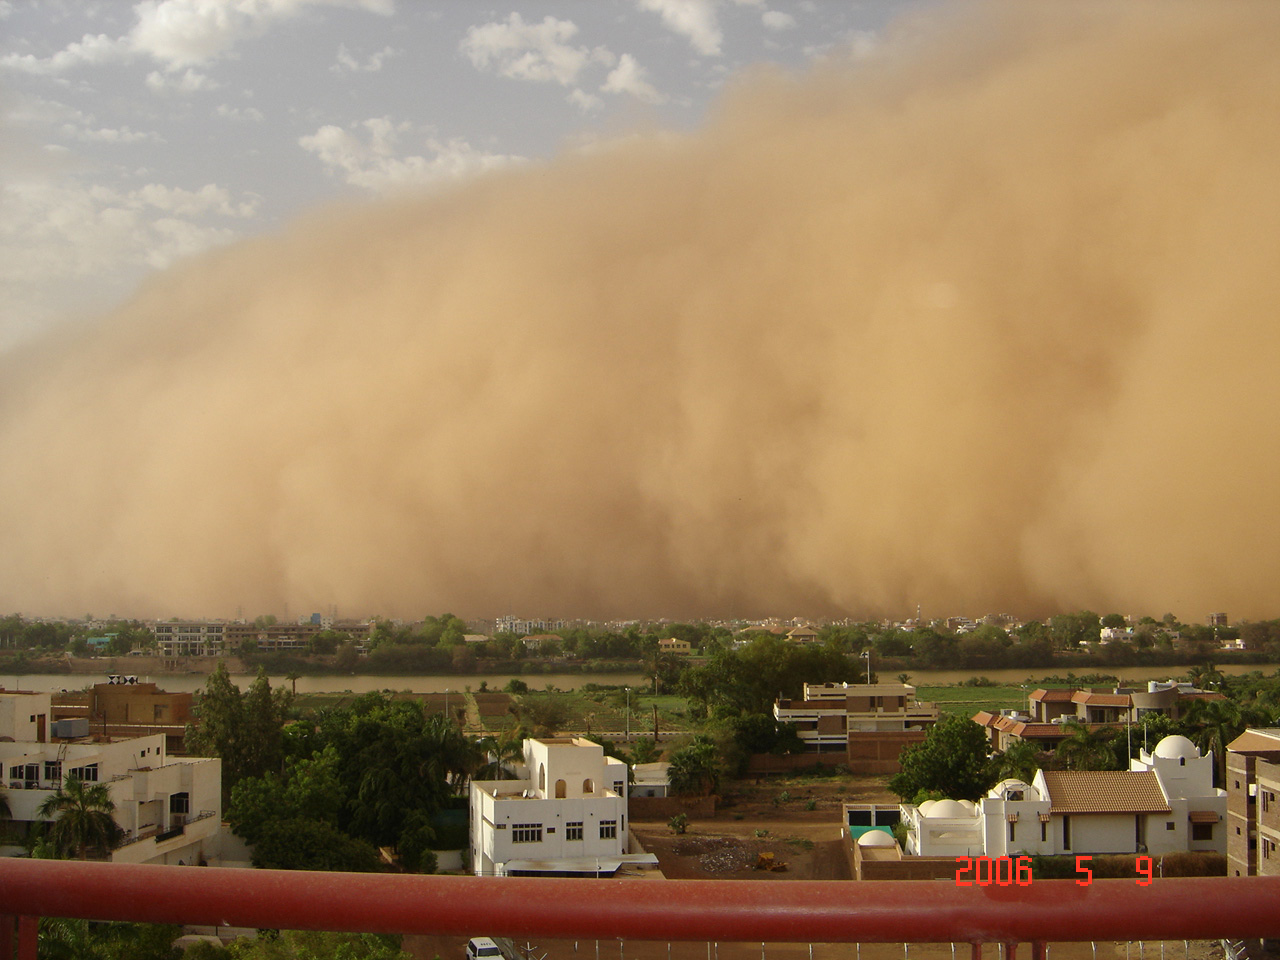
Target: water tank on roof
x=71 y=729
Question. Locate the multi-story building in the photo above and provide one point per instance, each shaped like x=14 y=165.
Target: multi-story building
x=565 y=814
x=1165 y=803
x=190 y=638
x=1253 y=813
x=275 y=636
x=869 y=723
x=169 y=811
x=123 y=707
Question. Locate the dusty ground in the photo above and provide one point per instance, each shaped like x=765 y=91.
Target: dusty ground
x=808 y=842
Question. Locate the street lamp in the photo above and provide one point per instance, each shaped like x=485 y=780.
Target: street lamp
x=628 y=714
x=446 y=703
x=866 y=655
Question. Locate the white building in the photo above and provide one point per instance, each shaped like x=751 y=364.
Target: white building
x=1164 y=803
x=168 y=810
x=565 y=815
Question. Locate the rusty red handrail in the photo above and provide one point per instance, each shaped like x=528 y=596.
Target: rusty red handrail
x=700 y=910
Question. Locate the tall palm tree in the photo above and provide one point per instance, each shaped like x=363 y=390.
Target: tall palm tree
x=82 y=815
x=1214 y=724
x=1087 y=749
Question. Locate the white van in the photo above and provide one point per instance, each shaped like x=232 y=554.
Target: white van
x=483 y=948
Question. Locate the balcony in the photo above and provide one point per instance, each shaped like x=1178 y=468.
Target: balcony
x=711 y=911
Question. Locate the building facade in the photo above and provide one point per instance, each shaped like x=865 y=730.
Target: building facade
x=1253 y=813
x=565 y=814
x=169 y=810
x=869 y=723
x=1165 y=803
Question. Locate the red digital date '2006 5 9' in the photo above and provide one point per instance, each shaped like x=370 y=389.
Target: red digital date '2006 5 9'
x=1005 y=872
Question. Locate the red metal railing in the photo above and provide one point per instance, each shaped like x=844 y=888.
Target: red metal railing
x=674 y=910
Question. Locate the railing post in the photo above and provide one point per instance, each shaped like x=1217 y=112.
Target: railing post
x=976 y=954
x=1039 y=950
x=28 y=937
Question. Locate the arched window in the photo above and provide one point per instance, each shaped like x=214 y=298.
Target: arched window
x=561 y=788
x=588 y=787
x=542 y=778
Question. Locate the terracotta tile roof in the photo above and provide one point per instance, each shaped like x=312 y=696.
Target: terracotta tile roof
x=1100 y=699
x=1052 y=696
x=1256 y=741
x=1104 y=791
x=984 y=718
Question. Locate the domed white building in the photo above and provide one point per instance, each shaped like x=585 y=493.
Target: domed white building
x=1165 y=803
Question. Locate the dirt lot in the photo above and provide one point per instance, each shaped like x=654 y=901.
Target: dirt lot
x=756 y=819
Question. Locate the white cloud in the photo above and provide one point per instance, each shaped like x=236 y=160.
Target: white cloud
x=347 y=63
x=108 y=134
x=87 y=51
x=190 y=81
x=531 y=51
x=777 y=20
x=182 y=33
x=694 y=19
x=228 y=112
x=629 y=77
x=586 y=102
x=6 y=8
x=65 y=244
x=374 y=163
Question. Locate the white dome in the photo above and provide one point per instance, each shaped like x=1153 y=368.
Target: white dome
x=876 y=838
x=969 y=805
x=949 y=810
x=925 y=807
x=1175 y=746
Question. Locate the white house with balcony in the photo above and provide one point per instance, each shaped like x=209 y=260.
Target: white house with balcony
x=565 y=814
x=1164 y=803
x=169 y=811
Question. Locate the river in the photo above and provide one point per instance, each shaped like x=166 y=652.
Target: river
x=187 y=682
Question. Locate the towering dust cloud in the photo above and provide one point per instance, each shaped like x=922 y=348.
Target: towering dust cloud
x=987 y=320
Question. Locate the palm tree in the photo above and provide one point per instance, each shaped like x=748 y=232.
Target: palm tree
x=1020 y=761
x=83 y=818
x=293 y=680
x=1087 y=749
x=1214 y=724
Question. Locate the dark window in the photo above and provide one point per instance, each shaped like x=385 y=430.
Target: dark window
x=1202 y=832
x=526 y=833
x=1066 y=832
x=573 y=830
x=608 y=829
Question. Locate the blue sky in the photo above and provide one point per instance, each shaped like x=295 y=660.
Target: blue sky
x=136 y=135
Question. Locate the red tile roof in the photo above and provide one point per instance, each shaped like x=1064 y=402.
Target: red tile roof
x=1052 y=696
x=1100 y=699
x=1104 y=791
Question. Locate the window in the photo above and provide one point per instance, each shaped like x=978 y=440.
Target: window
x=526 y=833
x=1012 y=826
x=1168 y=824
x=88 y=773
x=1044 y=831
x=573 y=830
x=588 y=786
x=1201 y=832
x=1066 y=832
x=180 y=803
x=617 y=787
x=53 y=770
x=608 y=829
x=561 y=789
